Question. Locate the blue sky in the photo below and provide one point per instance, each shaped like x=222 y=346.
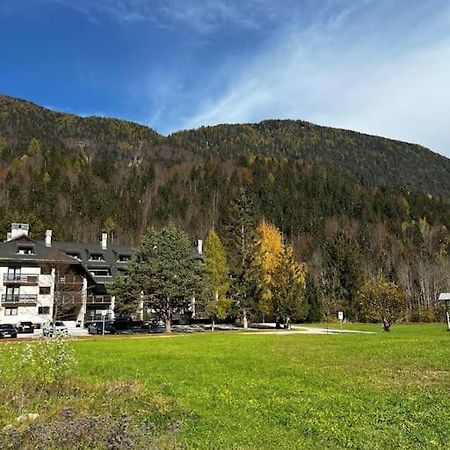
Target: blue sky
x=377 y=66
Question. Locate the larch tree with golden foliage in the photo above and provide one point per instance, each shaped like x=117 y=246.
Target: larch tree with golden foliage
x=216 y=279
x=269 y=248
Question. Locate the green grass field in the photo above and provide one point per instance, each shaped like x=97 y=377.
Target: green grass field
x=232 y=390
x=387 y=390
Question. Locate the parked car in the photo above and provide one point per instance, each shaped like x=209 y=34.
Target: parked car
x=97 y=328
x=55 y=329
x=25 y=327
x=7 y=330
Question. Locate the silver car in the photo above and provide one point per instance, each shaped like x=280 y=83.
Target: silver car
x=55 y=329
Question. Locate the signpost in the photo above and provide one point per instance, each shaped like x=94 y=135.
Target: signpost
x=445 y=298
x=341 y=317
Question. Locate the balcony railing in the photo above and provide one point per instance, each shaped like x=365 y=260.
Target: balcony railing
x=99 y=299
x=70 y=279
x=22 y=278
x=20 y=299
x=96 y=317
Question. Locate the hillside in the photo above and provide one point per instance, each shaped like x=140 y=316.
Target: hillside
x=343 y=199
x=368 y=159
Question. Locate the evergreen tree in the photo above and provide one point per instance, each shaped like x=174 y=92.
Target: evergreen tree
x=165 y=271
x=239 y=230
x=312 y=298
x=344 y=274
x=289 y=295
x=216 y=278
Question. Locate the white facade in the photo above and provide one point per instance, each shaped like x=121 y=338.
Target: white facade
x=27 y=294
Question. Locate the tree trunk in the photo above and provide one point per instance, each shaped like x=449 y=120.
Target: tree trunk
x=168 y=323
x=213 y=323
x=245 y=322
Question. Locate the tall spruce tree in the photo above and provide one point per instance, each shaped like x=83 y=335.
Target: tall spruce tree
x=239 y=231
x=289 y=296
x=344 y=274
x=216 y=279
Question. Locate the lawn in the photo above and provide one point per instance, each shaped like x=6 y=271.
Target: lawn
x=386 y=390
x=256 y=391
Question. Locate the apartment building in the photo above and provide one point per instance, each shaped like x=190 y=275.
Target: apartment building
x=41 y=280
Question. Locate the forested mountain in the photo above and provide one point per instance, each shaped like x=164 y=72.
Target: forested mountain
x=352 y=205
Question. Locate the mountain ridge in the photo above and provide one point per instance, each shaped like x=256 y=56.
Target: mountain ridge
x=369 y=159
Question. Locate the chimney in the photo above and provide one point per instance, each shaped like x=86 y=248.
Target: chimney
x=48 y=238
x=200 y=247
x=18 y=230
x=104 y=241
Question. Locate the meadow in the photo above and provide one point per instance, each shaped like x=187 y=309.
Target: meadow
x=266 y=391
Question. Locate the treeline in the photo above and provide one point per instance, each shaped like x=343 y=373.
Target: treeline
x=261 y=282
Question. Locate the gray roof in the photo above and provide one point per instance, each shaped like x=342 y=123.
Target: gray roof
x=110 y=257
x=41 y=253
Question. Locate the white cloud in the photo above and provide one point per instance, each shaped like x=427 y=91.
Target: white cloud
x=361 y=70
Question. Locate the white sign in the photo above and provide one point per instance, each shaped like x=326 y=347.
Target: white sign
x=105 y=313
x=341 y=315
x=445 y=296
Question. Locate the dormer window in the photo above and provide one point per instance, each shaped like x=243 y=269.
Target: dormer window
x=124 y=258
x=100 y=272
x=25 y=249
x=96 y=257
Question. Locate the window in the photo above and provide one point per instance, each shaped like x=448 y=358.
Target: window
x=100 y=272
x=43 y=309
x=96 y=257
x=11 y=311
x=25 y=250
x=46 y=270
x=44 y=290
x=124 y=258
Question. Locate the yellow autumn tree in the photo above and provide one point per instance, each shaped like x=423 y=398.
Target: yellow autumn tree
x=268 y=250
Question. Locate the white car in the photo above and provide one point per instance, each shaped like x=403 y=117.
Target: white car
x=55 y=329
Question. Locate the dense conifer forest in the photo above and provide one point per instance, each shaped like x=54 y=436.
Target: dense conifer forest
x=354 y=207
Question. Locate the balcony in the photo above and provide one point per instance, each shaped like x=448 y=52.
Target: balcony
x=99 y=300
x=74 y=281
x=96 y=318
x=25 y=279
x=19 y=300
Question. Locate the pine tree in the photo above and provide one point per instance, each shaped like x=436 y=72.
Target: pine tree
x=216 y=278
x=165 y=271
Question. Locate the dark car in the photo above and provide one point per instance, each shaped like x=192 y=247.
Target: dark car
x=97 y=328
x=25 y=327
x=7 y=331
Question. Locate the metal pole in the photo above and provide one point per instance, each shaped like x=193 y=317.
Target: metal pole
x=103 y=329
x=448 y=318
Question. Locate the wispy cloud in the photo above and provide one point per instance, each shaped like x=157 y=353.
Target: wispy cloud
x=200 y=15
x=361 y=67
